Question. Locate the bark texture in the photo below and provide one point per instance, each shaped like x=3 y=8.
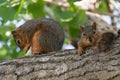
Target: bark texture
x=65 y=65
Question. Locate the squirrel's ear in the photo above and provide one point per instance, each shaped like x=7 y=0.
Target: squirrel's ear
x=94 y=25
x=81 y=28
x=15 y=32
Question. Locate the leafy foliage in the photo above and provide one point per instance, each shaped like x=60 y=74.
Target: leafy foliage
x=37 y=9
x=4 y=13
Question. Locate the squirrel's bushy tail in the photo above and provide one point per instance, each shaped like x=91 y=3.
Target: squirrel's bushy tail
x=105 y=41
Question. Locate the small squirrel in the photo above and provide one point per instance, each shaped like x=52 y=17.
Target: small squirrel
x=42 y=35
x=93 y=35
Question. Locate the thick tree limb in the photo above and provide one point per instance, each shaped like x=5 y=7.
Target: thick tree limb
x=65 y=65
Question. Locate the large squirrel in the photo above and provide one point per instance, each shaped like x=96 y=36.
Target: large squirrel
x=101 y=37
x=41 y=35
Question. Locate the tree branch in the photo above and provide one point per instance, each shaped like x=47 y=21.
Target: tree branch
x=65 y=65
x=104 y=13
x=66 y=5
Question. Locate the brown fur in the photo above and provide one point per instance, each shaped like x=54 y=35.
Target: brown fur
x=93 y=36
x=105 y=41
x=43 y=35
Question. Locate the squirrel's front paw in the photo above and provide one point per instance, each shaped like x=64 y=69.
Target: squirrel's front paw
x=80 y=51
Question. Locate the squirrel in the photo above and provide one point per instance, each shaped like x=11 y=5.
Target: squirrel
x=42 y=35
x=93 y=35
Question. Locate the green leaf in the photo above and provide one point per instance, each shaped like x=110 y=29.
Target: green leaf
x=2 y=1
x=103 y=6
x=21 y=53
x=7 y=13
x=82 y=17
x=72 y=6
x=5 y=31
x=37 y=9
x=14 y=55
x=62 y=15
x=73 y=31
x=3 y=53
x=78 y=20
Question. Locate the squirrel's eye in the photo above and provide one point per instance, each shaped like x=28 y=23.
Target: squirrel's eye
x=84 y=34
x=94 y=32
x=18 y=41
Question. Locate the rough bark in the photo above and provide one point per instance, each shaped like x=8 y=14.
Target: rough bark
x=65 y=65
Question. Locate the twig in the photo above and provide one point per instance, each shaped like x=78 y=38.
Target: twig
x=66 y=5
x=104 y=13
x=110 y=11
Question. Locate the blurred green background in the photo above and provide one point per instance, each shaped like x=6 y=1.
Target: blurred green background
x=15 y=12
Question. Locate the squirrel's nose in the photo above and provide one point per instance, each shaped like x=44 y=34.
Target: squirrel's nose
x=90 y=39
